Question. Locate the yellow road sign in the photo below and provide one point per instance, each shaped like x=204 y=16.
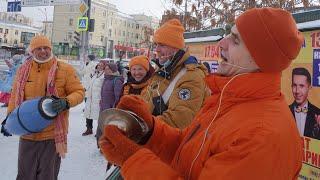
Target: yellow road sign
x=83 y=8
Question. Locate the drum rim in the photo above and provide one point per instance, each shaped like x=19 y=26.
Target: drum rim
x=45 y=116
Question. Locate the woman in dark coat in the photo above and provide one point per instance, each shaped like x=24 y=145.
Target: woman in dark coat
x=111 y=91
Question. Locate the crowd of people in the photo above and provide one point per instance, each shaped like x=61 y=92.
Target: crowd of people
x=201 y=125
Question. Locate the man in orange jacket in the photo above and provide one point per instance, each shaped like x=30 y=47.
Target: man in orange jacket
x=245 y=129
x=39 y=153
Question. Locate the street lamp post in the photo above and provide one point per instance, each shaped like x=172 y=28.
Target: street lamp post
x=46 y=22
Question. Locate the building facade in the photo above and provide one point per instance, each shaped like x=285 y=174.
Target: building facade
x=115 y=35
x=16 y=32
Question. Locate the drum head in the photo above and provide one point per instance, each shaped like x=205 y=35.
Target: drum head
x=134 y=127
x=46 y=108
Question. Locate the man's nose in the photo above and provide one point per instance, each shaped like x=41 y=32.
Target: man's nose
x=222 y=43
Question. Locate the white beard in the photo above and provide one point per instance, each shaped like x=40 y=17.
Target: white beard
x=43 y=61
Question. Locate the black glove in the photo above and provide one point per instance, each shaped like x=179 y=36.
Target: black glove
x=59 y=104
x=3 y=130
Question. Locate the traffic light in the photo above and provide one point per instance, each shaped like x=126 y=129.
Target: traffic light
x=76 y=38
x=91 y=25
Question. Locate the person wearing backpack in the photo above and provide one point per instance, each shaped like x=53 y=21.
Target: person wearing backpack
x=111 y=90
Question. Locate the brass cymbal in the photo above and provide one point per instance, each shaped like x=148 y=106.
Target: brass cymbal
x=134 y=127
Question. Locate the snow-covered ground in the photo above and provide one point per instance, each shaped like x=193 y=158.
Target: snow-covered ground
x=83 y=160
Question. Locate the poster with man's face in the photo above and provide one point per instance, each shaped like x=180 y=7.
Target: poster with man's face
x=301 y=87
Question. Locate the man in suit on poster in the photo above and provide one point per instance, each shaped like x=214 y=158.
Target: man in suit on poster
x=307 y=115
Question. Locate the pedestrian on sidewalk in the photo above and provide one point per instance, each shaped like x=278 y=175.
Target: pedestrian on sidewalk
x=93 y=94
x=6 y=84
x=111 y=91
x=39 y=154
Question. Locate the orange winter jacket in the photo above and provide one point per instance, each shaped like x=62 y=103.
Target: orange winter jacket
x=67 y=84
x=254 y=136
x=180 y=110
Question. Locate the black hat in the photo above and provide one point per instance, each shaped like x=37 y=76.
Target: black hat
x=91 y=57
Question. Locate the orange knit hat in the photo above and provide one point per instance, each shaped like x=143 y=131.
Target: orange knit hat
x=170 y=34
x=271 y=36
x=39 y=41
x=140 y=60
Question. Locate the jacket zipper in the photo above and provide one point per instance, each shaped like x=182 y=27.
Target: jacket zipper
x=38 y=67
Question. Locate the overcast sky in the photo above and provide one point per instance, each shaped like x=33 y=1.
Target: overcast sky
x=148 y=7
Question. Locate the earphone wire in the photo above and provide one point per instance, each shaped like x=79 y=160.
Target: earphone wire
x=207 y=130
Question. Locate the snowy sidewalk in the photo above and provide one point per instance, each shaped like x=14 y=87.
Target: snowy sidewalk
x=83 y=160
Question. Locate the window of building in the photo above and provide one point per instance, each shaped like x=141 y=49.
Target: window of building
x=104 y=13
x=0 y=40
x=128 y=33
x=111 y=21
x=6 y=31
x=71 y=22
x=1 y=30
x=15 y=41
x=69 y=35
x=123 y=33
x=132 y=35
x=137 y=26
x=115 y=33
x=101 y=38
x=90 y=36
x=5 y=40
x=16 y=32
x=93 y=9
x=103 y=25
x=137 y=36
x=119 y=33
x=110 y=33
x=125 y=23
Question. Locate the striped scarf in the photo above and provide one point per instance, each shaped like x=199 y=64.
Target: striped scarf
x=60 y=130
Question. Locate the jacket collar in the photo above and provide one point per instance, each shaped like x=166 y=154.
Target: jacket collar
x=251 y=85
x=170 y=72
x=46 y=65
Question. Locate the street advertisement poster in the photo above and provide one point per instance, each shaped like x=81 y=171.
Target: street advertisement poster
x=301 y=87
x=207 y=52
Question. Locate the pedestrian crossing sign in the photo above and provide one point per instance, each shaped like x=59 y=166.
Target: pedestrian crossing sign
x=82 y=24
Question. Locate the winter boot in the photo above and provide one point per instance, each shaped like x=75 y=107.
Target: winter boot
x=87 y=132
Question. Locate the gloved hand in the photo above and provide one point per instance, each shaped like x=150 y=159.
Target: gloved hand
x=59 y=104
x=3 y=130
x=137 y=105
x=115 y=146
